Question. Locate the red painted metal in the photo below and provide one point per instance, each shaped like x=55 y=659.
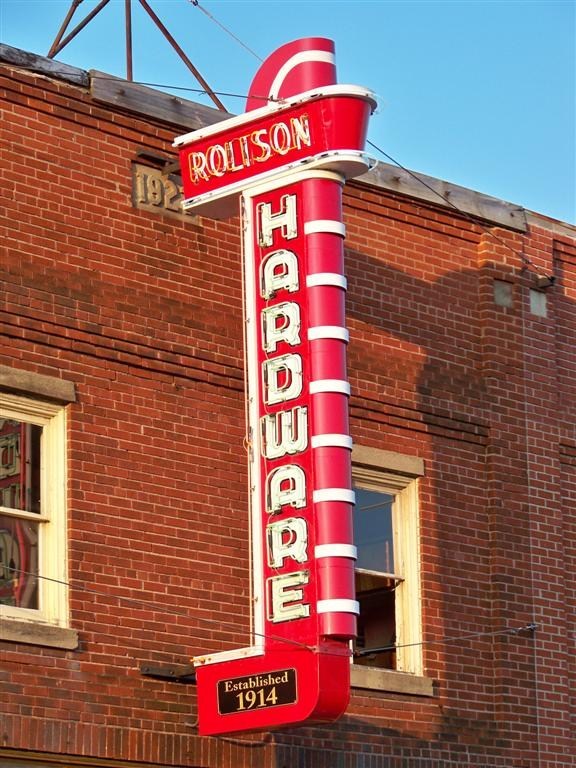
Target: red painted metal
x=265 y=143
x=298 y=669
x=295 y=67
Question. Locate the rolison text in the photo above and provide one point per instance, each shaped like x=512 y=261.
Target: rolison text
x=249 y=149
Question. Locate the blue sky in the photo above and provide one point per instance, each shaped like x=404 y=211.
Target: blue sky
x=478 y=93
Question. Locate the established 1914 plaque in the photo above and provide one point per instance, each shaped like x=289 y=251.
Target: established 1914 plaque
x=257 y=691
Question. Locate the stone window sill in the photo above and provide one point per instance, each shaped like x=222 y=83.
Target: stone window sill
x=31 y=633
x=391 y=682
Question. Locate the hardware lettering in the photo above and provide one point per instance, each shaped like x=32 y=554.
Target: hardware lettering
x=283 y=432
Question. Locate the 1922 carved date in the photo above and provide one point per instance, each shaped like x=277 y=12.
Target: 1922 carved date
x=154 y=191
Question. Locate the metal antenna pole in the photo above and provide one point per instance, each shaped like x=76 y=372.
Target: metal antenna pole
x=61 y=42
x=57 y=48
x=182 y=55
x=73 y=5
x=128 y=7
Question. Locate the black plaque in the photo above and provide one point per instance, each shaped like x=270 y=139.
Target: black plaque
x=269 y=689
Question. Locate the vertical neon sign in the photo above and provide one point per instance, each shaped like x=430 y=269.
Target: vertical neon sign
x=287 y=162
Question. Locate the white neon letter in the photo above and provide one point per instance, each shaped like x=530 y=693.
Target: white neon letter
x=280 y=323
x=281 y=138
x=197 y=164
x=286 y=595
x=217 y=160
x=282 y=378
x=300 y=131
x=284 y=433
x=285 y=486
x=287 y=538
x=279 y=270
x=285 y=218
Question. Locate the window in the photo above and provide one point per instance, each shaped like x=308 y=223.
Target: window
x=32 y=510
x=387 y=569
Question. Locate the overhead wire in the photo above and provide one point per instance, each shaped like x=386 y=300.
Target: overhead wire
x=199 y=91
x=416 y=177
x=229 y=32
x=79 y=585
x=528 y=263
x=444 y=198
x=532 y=627
x=475 y=220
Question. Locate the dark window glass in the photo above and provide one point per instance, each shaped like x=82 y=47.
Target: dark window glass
x=375 y=584
x=373 y=532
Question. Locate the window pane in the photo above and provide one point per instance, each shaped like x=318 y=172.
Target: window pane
x=20 y=465
x=376 y=623
x=373 y=530
x=18 y=562
x=374 y=538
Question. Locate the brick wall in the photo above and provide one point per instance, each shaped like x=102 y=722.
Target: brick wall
x=143 y=313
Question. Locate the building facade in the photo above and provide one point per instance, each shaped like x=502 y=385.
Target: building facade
x=123 y=524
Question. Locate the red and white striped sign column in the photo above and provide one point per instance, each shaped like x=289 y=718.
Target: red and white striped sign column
x=330 y=437
x=293 y=68
x=298 y=401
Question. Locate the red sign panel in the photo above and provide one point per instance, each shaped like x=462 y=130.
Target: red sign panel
x=308 y=130
x=289 y=164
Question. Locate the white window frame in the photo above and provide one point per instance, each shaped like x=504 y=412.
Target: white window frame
x=52 y=555
x=397 y=475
